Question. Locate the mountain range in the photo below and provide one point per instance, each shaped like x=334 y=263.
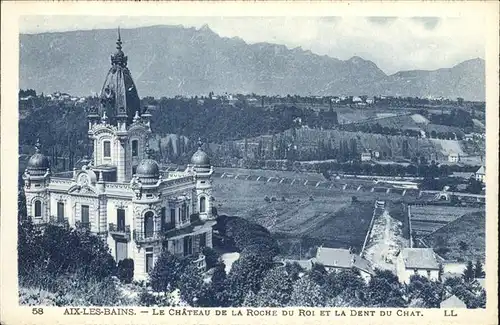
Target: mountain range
x=174 y=60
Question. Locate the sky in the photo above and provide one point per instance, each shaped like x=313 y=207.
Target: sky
x=393 y=43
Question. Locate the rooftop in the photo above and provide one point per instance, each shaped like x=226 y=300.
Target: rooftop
x=420 y=258
x=453 y=302
x=341 y=258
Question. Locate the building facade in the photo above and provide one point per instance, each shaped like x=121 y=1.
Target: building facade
x=122 y=195
x=417 y=261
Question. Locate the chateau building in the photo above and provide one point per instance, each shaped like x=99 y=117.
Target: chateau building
x=122 y=195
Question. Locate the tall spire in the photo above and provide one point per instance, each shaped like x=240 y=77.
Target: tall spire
x=119 y=41
x=200 y=144
x=119 y=57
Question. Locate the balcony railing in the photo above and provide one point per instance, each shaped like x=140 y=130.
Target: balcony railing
x=58 y=221
x=167 y=227
x=119 y=231
x=82 y=225
x=200 y=262
x=147 y=237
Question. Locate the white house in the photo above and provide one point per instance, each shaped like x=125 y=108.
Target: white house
x=336 y=259
x=417 y=261
x=453 y=157
x=480 y=174
x=366 y=156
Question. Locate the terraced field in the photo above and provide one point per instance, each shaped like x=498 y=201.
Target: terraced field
x=463 y=239
x=427 y=219
x=310 y=214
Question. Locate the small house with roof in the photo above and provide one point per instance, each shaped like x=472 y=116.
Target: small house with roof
x=417 y=261
x=336 y=259
x=453 y=157
x=452 y=302
x=480 y=174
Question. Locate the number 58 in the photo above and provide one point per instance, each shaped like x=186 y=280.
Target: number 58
x=37 y=311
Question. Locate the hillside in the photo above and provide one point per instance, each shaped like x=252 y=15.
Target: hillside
x=173 y=60
x=462 y=239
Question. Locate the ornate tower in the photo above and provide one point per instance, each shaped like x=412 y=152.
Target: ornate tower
x=117 y=128
x=203 y=173
x=36 y=179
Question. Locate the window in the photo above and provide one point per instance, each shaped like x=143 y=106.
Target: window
x=163 y=217
x=134 y=170
x=202 y=204
x=60 y=211
x=148 y=224
x=121 y=250
x=188 y=245
x=120 y=219
x=203 y=240
x=149 y=259
x=184 y=212
x=38 y=209
x=135 y=148
x=172 y=216
x=85 y=215
x=107 y=149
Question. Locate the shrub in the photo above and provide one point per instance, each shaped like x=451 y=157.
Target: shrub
x=167 y=272
x=125 y=270
x=211 y=257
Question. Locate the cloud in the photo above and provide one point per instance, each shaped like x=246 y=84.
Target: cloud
x=428 y=22
x=381 y=20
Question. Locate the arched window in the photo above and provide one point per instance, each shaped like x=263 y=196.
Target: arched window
x=106 y=148
x=135 y=148
x=148 y=224
x=202 y=204
x=38 y=209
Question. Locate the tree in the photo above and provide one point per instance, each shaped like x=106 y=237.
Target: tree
x=440 y=272
x=167 y=272
x=276 y=289
x=246 y=274
x=428 y=292
x=191 y=285
x=306 y=293
x=211 y=257
x=478 y=270
x=468 y=274
x=125 y=270
x=218 y=286
x=384 y=290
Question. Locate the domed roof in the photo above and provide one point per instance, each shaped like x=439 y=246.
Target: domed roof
x=38 y=160
x=148 y=168
x=200 y=158
x=119 y=96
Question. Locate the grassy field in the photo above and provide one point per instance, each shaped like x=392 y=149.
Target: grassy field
x=310 y=216
x=462 y=239
x=427 y=219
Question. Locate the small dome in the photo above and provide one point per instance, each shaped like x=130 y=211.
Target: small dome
x=38 y=161
x=200 y=158
x=148 y=168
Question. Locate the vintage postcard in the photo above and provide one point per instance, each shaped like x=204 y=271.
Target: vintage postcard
x=249 y=163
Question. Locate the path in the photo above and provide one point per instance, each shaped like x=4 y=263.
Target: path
x=385 y=242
